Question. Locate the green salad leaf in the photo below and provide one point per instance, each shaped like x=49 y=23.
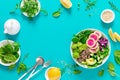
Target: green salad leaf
x=101 y=72
x=10 y=58
x=21 y=67
x=117 y=56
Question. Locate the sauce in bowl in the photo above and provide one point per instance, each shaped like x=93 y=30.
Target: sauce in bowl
x=107 y=16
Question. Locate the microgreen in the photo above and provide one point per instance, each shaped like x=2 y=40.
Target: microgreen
x=90 y=4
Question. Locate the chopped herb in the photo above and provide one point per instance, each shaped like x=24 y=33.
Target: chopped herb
x=101 y=72
x=113 y=6
x=44 y=11
x=57 y=13
x=14 y=10
x=90 y=4
x=78 y=5
x=76 y=71
x=117 y=56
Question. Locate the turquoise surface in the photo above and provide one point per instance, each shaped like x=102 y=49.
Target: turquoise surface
x=51 y=37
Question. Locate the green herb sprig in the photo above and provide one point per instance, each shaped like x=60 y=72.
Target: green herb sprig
x=113 y=6
x=57 y=13
x=90 y=4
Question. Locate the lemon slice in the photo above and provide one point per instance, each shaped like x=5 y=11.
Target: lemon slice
x=66 y=3
x=117 y=36
x=111 y=35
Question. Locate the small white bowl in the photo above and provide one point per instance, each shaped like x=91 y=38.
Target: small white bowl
x=46 y=76
x=25 y=14
x=4 y=42
x=108 y=16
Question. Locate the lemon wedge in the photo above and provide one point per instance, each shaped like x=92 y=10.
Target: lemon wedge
x=66 y=3
x=111 y=35
x=54 y=73
x=117 y=36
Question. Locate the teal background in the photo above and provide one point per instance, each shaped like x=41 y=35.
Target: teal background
x=51 y=37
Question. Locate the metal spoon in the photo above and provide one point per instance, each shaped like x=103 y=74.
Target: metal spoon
x=39 y=61
x=45 y=65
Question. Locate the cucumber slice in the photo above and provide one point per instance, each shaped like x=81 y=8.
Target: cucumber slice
x=91 y=61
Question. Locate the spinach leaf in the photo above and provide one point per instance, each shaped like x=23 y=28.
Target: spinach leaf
x=117 y=56
x=10 y=58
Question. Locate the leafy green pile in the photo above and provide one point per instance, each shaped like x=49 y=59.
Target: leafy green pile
x=9 y=52
x=30 y=7
x=82 y=36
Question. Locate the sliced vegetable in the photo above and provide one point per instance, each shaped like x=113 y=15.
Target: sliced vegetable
x=90 y=42
x=117 y=56
x=91 y=61
x=94 y=36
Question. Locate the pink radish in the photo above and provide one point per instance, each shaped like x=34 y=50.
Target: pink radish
x=98 y=33
x=93 y=50
x=94 y=36
x=95 y=46
x=90 y=42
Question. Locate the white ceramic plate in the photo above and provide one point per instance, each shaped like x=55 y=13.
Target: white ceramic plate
x=4 y=42
x=85 y=66
x=22 y=3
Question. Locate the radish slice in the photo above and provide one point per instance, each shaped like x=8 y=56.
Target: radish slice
x=96 y=46
x=94 y=36
x=90 y=42
x=98 y=34
x=93 y=50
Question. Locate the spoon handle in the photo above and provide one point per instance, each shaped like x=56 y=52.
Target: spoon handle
x=34 y=73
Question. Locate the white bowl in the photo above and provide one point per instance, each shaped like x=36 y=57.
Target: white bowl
x=47 y=71
x=4 y=42
x=25 y=14
x=85 y=66
x=107 y=10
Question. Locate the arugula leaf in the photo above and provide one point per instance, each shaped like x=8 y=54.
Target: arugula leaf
x=117 y=56
x=101 y=72
x=77 y=71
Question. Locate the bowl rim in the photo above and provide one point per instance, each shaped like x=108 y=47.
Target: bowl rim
x=109 y=11
x=105 y=60
x=47 y=71
x=19 y=52
x=25 y=14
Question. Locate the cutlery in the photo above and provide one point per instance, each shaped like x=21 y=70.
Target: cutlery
x=39 y=61
x=45 y=65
